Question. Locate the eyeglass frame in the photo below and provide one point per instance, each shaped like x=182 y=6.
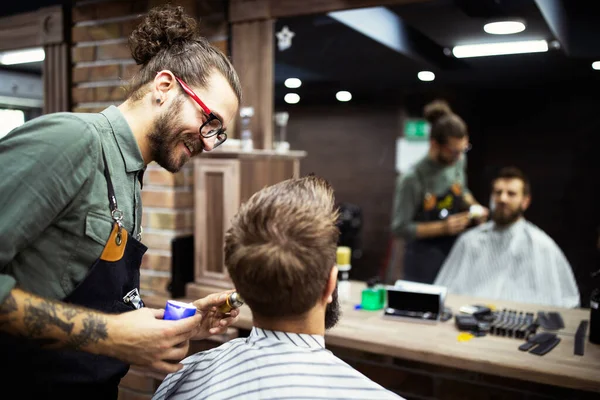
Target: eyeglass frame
x=210 y=115
x=457 y=152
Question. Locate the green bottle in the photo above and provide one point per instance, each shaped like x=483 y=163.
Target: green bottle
x=373 y=296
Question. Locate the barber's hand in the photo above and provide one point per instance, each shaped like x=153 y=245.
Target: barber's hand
x=456 y=223
x=485 y=213
x=214 y=322
x=143 y=338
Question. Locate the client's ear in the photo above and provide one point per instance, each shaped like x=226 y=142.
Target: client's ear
x=331 y=284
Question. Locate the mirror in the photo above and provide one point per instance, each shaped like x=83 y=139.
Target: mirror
x=535 y=109
x=21 y=87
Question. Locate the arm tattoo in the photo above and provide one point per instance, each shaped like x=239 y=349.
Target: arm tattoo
x=39 y=317
x=6 y=308
x=71 y=313
x=94 y=330
x=9 y=305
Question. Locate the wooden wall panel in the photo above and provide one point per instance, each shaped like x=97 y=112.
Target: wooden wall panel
x=56 y=78
x=217 y=198
x=214 y=221
x=32 y=29
x=252 y=52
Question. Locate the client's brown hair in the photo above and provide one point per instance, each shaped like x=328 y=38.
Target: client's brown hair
x=514 y=173
x=281 y=246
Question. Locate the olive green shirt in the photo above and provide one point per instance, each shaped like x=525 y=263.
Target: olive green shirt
x=55 y=217
x=426 y=175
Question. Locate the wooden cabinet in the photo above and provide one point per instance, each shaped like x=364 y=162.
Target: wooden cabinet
x=222 y=181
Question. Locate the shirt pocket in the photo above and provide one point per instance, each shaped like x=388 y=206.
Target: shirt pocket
x=98 y=227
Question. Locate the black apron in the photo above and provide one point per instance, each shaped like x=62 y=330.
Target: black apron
x=423 y=258
x=111 y=286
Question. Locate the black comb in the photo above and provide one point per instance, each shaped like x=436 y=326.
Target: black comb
x=580 y=338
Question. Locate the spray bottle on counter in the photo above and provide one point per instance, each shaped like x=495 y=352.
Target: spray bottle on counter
x=343 y=256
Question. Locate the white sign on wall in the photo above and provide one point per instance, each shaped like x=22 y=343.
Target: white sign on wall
x=409 y=152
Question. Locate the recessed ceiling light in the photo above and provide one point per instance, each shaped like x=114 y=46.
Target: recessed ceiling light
x=496 y=49
x=596 y=65
x=343 y=95
x=292 y=83
x=22 y=56
x=291 y=98
x=426 y=76
x=504 y=27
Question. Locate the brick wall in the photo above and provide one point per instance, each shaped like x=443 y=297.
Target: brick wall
x=101 y=67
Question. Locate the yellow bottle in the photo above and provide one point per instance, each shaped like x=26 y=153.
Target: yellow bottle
x=343 y=256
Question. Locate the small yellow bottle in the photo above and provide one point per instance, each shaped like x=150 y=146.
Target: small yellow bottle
x=343 y=263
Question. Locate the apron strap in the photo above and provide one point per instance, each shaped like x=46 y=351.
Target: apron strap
x=116 y=214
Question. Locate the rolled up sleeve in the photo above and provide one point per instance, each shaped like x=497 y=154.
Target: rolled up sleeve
x=7 y=283
x=44 y=165
x=405 y=207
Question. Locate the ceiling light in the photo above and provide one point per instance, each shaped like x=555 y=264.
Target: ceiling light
x=496 y=49
x=291 y=98
x=596 y=65
x=426 y=76
x=22 y=56
x=504 y=27
x=292 y=83
x=343 y=95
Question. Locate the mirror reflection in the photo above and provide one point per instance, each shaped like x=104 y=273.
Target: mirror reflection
x=462 y=149
x=21 y=87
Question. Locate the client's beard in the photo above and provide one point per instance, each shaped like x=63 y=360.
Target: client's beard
x=332 y=311
x=506 y=219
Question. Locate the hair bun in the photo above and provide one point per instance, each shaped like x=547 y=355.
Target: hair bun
x=436 y=110
x=163 y=27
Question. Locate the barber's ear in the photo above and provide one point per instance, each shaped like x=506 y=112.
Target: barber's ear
x=163 y=82
x=331 y=284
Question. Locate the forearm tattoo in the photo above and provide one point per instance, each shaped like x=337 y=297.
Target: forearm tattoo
x=9 y=305
x=40 y=316
x=6 y=308
x=94 y=330
x=71 y=313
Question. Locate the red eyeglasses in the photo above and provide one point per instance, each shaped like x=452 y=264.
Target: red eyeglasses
x=213 y=125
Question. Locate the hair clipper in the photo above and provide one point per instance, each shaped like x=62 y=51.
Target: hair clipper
x=234 y=300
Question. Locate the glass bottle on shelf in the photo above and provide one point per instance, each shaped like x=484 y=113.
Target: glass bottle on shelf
x=280 y=144
x=246 y=114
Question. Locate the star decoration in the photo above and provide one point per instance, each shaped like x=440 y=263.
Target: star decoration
x=284 y=38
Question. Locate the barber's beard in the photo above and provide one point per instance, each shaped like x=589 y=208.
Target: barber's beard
x=332 y=311
x=166 y=137
x=443 y=160
x=502 y=218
